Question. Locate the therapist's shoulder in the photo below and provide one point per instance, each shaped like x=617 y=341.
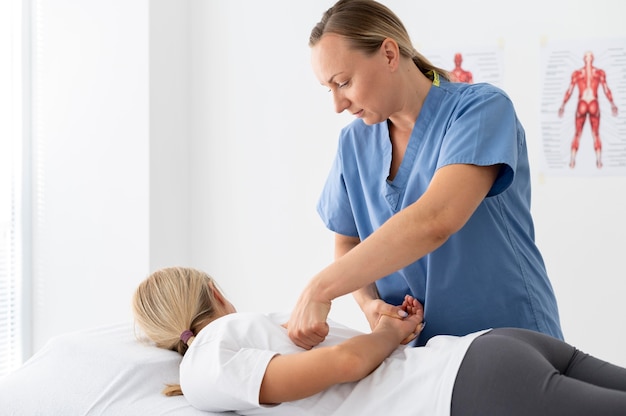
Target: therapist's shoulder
x=462 y=89
x=487 y=91
x=479 y=96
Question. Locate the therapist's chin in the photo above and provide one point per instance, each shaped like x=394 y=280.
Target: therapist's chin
x=370 y=120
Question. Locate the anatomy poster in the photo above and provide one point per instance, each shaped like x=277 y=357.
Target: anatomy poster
x=470 y=64
x=583 y=107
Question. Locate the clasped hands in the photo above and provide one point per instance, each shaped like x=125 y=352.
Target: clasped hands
x=307 y=326
x=408 y=320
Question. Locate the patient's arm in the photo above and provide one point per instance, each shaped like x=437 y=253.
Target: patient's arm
x=296 y=376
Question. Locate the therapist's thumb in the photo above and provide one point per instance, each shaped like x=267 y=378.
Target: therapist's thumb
x=401 y=313
x=393 y=311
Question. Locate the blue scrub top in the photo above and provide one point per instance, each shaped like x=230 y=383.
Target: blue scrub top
x=490 y=273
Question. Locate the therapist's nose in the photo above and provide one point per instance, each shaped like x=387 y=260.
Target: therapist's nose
x=341 y=102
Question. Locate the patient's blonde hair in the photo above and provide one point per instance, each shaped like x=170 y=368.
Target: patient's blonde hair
x=171 y=301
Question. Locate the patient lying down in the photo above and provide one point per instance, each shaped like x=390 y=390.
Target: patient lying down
x=245 y=362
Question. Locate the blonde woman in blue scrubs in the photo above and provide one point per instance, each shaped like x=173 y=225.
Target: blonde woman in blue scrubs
x=429 y=194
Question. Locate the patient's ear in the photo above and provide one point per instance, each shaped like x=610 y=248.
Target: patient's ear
x=218 y=295
x=226 y=306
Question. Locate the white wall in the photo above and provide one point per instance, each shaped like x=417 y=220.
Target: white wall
x=90 y=142
x=263 y=139
x=170 y=124
x=194 y=132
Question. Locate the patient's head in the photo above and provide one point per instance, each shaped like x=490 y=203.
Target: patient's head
x=175 y=300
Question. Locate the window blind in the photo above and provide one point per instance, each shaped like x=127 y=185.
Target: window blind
x=11 y=183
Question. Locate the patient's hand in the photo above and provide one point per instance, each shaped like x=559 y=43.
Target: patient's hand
x=407 y=328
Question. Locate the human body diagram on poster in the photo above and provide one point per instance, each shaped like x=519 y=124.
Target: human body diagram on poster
x=587 y=80
x=584 y=87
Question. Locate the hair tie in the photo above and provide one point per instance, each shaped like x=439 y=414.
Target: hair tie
x=184 y=337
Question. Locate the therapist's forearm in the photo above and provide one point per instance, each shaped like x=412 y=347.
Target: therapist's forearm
x=343 y=244
x=402 y=240
x=450 y=200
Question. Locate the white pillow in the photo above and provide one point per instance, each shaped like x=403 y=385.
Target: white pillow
x=101 y=371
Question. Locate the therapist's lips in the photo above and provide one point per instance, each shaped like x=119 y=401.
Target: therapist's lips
x=358 y=114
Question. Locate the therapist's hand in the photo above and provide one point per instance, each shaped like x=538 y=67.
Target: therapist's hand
x=307 y=326
x=375 y=308
x=407 y=328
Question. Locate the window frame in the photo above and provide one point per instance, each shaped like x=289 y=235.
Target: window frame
x=15 y=214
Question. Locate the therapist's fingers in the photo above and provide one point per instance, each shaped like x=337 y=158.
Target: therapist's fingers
x=309 y=337
x=408 y=339
x=412 y=305
x=414 y=334
x=379 y=308
x=408 y=328
x=383 y=308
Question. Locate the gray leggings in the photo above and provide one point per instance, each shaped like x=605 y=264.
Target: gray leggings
x=511 y=372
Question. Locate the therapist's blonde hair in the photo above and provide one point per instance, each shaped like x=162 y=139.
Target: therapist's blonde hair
x=173 y=300
x=366 y=24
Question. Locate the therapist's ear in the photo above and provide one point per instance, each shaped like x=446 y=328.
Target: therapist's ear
x=391 y=53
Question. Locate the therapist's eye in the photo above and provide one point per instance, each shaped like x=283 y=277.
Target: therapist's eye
x=339 y=85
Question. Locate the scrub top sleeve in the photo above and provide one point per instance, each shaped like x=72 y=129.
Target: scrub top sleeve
x=484 y=132
x=334 y=205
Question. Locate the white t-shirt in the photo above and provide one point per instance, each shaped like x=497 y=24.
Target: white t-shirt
x=225 y=364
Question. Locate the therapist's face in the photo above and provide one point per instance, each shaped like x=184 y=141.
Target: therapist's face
x=359 y=83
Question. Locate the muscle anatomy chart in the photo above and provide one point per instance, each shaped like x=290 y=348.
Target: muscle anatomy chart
x=582 y=107
x=470 y=64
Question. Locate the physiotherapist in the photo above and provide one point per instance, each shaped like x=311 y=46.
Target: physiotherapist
x=429 y=194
